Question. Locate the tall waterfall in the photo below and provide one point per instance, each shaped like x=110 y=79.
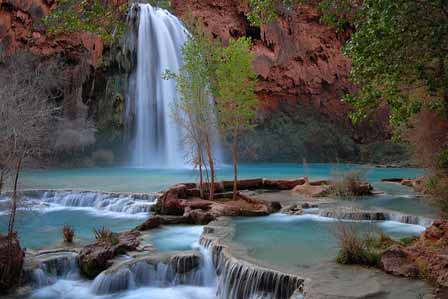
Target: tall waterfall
x=156 y=136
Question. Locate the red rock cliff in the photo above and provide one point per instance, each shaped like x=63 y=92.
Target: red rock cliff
x=297 y=57
x=21 y=28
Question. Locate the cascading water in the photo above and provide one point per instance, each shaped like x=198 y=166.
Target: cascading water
x=155 y=136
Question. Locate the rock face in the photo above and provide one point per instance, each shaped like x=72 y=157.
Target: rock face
x=11 y=263
x=427 y=257
x=95 y=258
x=21 y=27
x=297 y=58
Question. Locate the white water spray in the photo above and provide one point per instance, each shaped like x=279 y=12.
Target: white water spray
x=156 y=135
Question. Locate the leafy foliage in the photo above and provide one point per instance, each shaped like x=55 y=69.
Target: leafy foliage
x=104 y=18
x=399 y=52
x=235 y=91
x=195 y=111
x=235 y=83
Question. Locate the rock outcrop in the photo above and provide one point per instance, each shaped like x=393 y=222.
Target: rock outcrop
x=11 y=262
x=297 y=57
x=95 y=258
x=21 y=27
x=426 y=258
x=183 y=200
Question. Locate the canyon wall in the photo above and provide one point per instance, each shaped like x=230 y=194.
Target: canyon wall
x=297 y=58
x=299 y=63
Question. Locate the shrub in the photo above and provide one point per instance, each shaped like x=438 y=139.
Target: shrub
x=408 y=240
x=437 y=187
x=106 y=235
x=349 y=184
x=353 y=248
x=68 y=233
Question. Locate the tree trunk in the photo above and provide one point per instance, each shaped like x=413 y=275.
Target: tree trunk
x=201 y=178
x=235 y=163
x=211 y=164
x=12 y=217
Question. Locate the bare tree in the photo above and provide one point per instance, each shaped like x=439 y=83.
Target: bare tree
x=27 y=89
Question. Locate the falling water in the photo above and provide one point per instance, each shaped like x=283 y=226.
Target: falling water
x=156 y=136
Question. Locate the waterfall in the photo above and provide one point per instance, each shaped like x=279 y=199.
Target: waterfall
x=52 y=266
x=128 y=203
x=156 y=136
x=179 y=269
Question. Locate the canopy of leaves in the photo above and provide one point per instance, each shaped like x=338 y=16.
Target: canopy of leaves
x=105 y=18
x=399 y=53
x=235 y=86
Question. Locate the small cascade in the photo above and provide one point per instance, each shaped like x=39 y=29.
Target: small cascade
x=239 y=279
x=52 y=266
x=358 y=215
x=179 y=269
x=129 y=203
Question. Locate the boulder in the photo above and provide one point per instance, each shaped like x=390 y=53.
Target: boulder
x=275 y=206
x=395 y=261
x=312 y=190
x=151 y=223
x=95 y=258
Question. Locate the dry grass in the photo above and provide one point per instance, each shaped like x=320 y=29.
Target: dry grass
x=354 y=246
x=68 y=234
x=106 y=235
x=346 y=184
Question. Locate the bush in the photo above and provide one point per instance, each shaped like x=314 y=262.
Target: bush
x=353 y=248
x=105 y=235
x=68 y=233
x=349 y=184
x=437 y=187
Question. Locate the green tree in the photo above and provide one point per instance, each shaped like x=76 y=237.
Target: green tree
x=236 y=99
x=195 y=110
x=103 y=17
x=399 y=54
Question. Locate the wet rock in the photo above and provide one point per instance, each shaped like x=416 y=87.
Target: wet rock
x=292 y=210
x=95 y=258
x=151 y=223
x=275 y=206
x=395 y=261
x=310 y=190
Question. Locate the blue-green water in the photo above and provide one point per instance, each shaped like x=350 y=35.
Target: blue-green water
x=39 y=229
x=153 y=180
x=42 y=227
x=173 y=238
x=303 y=240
